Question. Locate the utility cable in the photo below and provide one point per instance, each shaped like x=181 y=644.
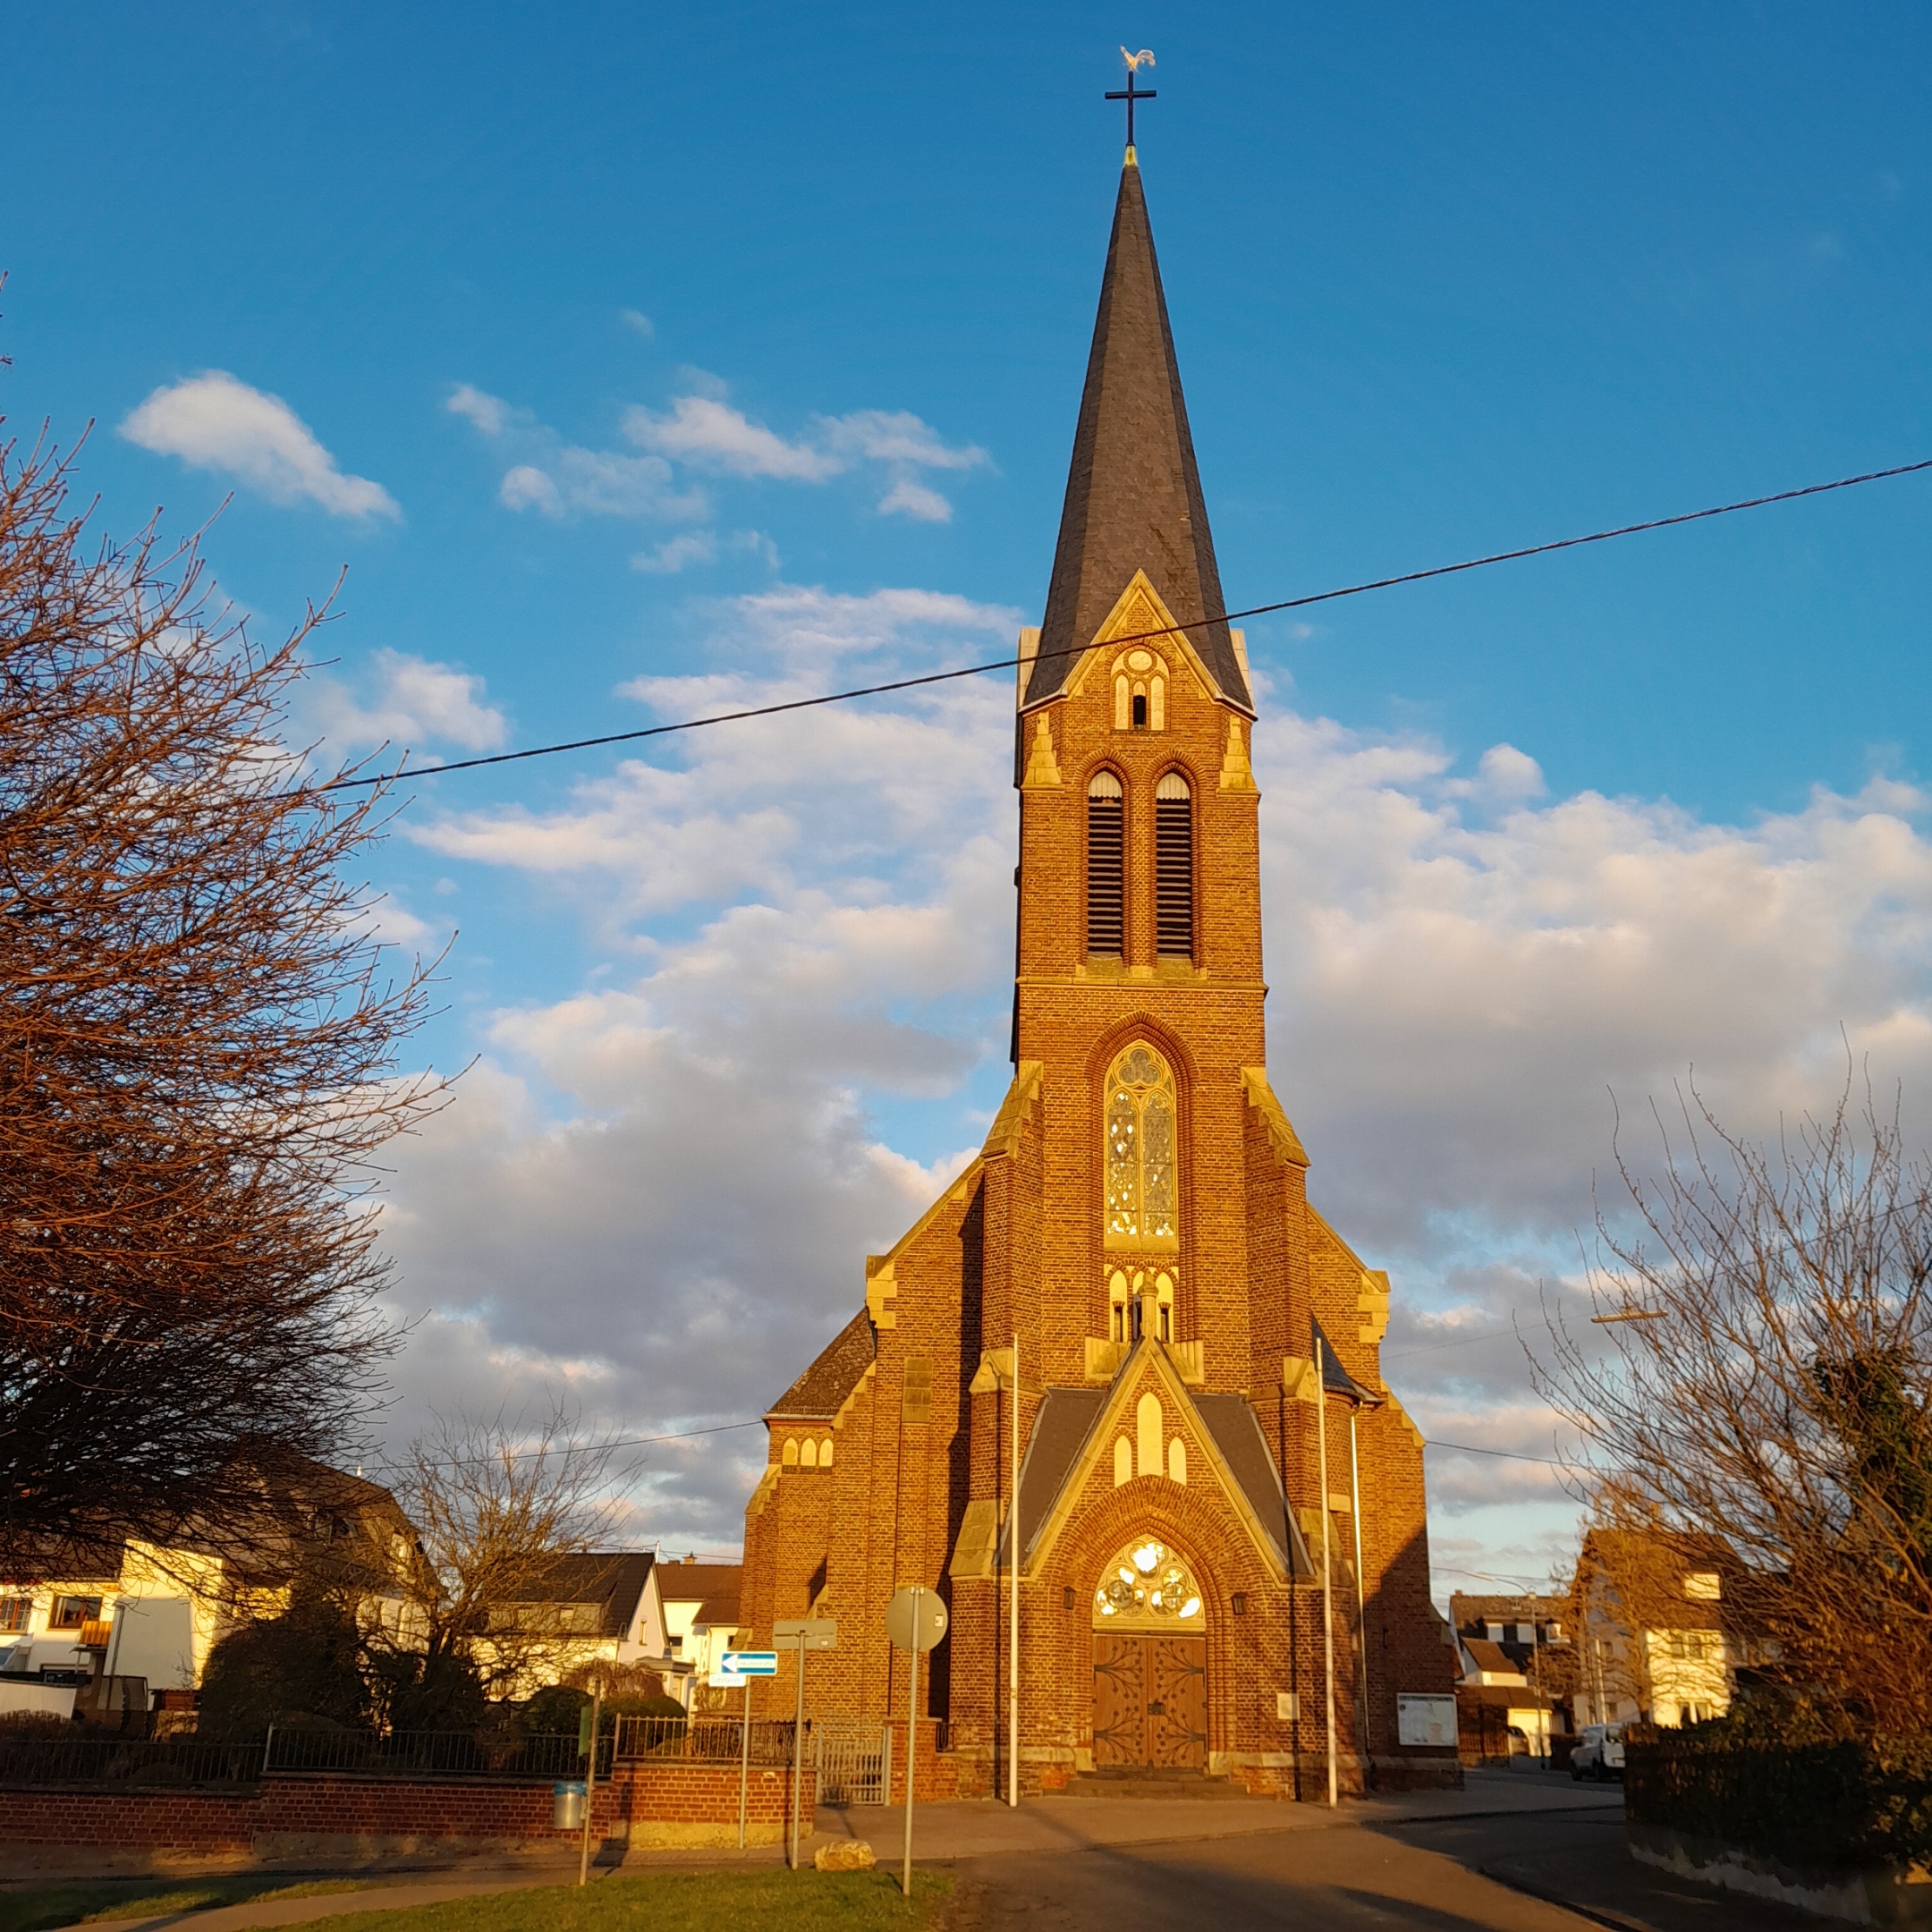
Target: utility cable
x=1193 y=623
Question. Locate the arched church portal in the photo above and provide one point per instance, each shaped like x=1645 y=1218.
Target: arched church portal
x=1150 y=1660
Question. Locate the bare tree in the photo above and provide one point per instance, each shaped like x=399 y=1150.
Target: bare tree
x=506 y=1519
x=197 y=1039
x=1760 y=1390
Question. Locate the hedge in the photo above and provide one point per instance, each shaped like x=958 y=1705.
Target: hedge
x=1778 y=1784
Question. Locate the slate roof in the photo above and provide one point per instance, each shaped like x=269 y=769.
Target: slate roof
x=615 y=1579
x=819 y=1393
x=1133 y=497
x=1236 y=1428
x=713 y=1586
x=1336 y=1380
x=1490 y=1658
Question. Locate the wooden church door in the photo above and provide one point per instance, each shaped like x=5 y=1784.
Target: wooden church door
x=1150 y=1700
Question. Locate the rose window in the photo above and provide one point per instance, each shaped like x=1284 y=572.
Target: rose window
x=1149 y=1587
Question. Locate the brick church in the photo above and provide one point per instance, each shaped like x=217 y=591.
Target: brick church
x=1223 y=1560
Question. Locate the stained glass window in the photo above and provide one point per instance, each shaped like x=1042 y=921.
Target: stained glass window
x=1141 y=1184
x=1148 y=1586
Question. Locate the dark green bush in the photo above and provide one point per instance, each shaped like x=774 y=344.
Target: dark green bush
x=304 y=1664
x=556 y=1709
x=1787 y=1780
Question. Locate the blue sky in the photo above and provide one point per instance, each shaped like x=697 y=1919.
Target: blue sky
x=1443 y=281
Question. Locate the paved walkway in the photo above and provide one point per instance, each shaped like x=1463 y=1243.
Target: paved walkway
x=969 y=1829
x=1508 y=1854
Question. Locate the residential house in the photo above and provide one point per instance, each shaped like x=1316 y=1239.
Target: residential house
x=701 y=1611
x=1649 y=1611
x=599 y=1607
x=121 y=1623
x=1499 y=1712
x=1533 y=1634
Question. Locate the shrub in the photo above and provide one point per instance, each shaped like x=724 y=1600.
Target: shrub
x=1789 y=1780
x=302 y=1664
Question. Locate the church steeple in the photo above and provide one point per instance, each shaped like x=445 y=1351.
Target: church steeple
x=1133 y=498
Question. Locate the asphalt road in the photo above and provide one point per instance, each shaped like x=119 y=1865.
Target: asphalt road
x=1422 y=1876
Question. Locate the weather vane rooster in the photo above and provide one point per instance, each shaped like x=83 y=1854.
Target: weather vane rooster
x=1130 y=94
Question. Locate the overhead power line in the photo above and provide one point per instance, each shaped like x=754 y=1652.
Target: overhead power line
x=1512 y=1455
x=1194 y=623
x=721 y=1428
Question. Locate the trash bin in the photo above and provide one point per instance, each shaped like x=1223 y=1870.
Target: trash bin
x=567 y=1806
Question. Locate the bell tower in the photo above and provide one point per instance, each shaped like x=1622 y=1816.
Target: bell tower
x=1139 y=893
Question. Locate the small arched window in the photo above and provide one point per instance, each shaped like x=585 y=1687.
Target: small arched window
x=1174 y=868
x=1107 y=867
x=1140 y=1152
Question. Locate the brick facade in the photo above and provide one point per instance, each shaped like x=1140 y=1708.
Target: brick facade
x=912 y=1398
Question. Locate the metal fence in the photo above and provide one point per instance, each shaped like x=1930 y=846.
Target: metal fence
x=432 y=1753
x=138 y=1762
x=709 y=1738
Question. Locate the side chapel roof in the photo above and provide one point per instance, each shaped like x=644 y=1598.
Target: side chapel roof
x=1133 y=495
x=819 y=1393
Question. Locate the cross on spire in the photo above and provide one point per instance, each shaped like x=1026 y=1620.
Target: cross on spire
x=1130 y=94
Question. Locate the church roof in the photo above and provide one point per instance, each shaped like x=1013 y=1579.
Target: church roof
x=1067 y=1418
x=1133 y=497
x=821 y=1393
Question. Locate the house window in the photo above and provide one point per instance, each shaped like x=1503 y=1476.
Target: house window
x=1107 y=867
x=1174 y=868
x=70 y=1612
x=1140 y=1152
x=15 y=1613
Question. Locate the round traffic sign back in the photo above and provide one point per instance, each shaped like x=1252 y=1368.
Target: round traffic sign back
x=915 y=1619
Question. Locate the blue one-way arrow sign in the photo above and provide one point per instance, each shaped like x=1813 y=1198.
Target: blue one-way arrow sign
x=750 y=1663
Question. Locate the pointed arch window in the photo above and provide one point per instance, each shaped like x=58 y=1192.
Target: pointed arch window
x=1174 y=868
x=1106 y=866
x=1142 y=1178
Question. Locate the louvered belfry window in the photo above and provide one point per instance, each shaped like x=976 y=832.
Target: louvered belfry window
x=1106 y=866
x=1174 y=868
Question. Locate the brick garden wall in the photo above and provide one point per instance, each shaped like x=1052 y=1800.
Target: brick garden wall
x=344 y=1820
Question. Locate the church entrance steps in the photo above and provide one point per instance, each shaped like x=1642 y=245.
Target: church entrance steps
x=1151 y=1780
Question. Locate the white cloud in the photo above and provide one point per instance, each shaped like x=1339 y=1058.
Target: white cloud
x=908 y=498
x=895 y=437
x=807 y=921
x=678 y=553
x=216 y=421
x=712 y=435
x=560 y=480
x=490 y=414
x=410 y=701
x=703 y=432
x=636 y=319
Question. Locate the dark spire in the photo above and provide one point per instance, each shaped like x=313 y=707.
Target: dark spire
x=1133 y=499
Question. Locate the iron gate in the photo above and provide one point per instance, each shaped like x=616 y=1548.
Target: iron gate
x=853 y=1761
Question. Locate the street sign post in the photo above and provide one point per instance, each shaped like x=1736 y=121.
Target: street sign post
x=740 y=1666
x=915 y=1620
x=800 y=1634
